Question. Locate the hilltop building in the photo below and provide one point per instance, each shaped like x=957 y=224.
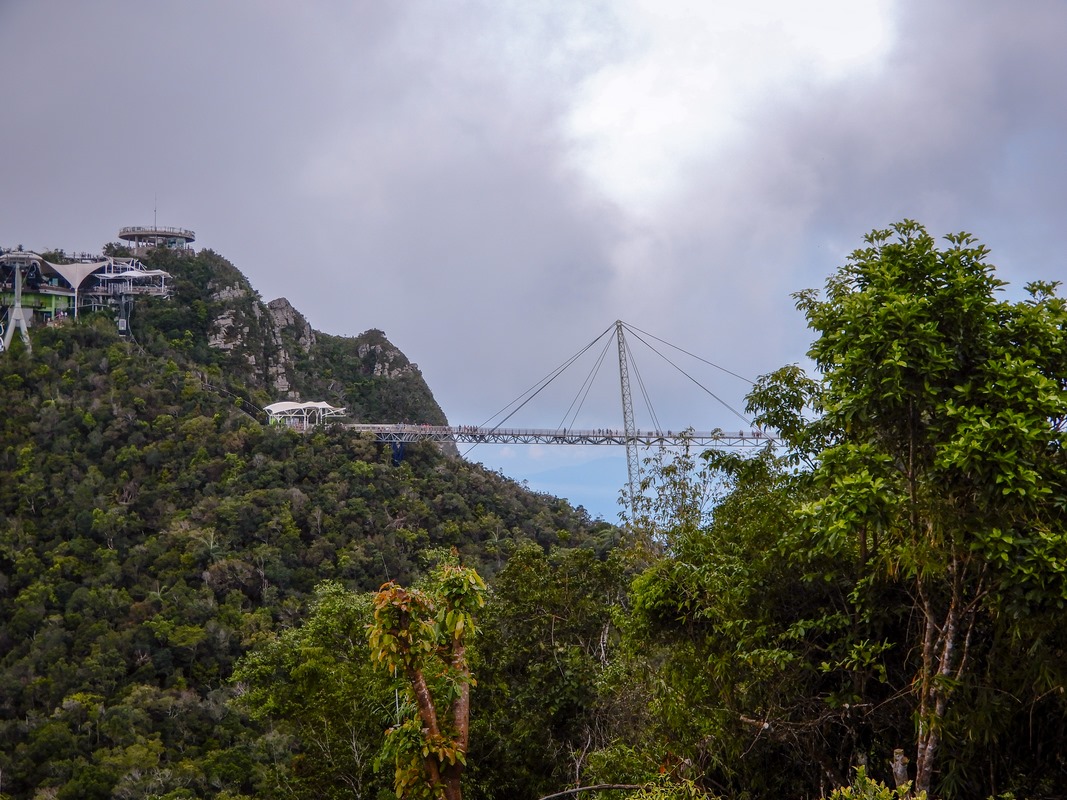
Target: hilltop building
x=143 y=239
x=36 y=291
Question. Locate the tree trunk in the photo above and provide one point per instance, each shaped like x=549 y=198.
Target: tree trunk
x=900 y=768
x=944 y=659
x=428 y=716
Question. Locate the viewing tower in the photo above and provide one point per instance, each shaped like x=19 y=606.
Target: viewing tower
x=144 y=238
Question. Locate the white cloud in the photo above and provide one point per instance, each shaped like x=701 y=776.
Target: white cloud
x=693 y=74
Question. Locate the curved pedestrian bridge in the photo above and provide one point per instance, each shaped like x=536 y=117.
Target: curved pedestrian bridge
x=468 y=434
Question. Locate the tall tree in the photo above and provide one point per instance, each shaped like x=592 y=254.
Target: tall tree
x=937 y=448
x=422 y=637
x=751 y=663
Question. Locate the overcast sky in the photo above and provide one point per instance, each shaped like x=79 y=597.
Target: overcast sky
x=494 y=182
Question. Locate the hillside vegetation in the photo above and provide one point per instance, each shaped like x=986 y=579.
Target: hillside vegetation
x=873 y=606
x=152 y=529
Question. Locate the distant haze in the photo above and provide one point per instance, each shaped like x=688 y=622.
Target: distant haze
x=494 y=183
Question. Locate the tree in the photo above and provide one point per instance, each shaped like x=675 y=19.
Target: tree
x=739 y=628
x=422 y=636
x=316 y=683
x=545 y=641
x=937 y=448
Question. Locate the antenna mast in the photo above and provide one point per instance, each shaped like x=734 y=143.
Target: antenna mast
x=633 y=464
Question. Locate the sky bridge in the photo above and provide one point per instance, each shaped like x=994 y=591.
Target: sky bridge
x=467 y=434
x=493 y=431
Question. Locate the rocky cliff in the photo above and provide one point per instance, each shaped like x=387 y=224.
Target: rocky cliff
x=273 y=348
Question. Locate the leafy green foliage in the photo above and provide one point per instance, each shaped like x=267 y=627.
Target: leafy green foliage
x=548 y=638
x=422 y=636
x=183 y=590
x=743 y=632
x=316 y=681
x=151 y=532
x=865 y=788
x=380 y=384
x=944 y=468
x=899 y=574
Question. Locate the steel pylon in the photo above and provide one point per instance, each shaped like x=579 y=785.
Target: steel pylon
x=633 y=463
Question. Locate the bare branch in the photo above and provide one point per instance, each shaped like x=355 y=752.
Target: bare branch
x=630 y=787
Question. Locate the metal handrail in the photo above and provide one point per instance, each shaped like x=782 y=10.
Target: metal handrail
x=134 y=229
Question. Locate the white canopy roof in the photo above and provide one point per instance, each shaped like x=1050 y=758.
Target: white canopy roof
x=75 y=274
x=285 y=405
x=134 y=273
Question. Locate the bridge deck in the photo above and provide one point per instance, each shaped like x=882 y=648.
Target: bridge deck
x=465 y=434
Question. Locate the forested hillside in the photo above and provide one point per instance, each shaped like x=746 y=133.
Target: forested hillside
x=152 y=529
x=872 y=606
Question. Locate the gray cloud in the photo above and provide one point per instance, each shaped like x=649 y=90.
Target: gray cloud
x=408 y=166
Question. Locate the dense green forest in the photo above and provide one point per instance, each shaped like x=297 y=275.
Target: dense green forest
x=873 y=607
x=153 y=529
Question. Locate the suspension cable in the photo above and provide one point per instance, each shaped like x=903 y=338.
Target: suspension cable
x=694 y=380
x=691 y=355
x=537 y=388
x=641 y=385
x=583 y=390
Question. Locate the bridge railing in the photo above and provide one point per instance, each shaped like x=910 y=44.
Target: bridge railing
x=477 y=435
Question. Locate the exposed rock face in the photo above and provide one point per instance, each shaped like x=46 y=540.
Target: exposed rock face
x=266 y=337
x=275 y=350
x=237 y=327
x=288 y=328
x=222 y=336
x=388 y=363
x=285 y=317
x=229 y=293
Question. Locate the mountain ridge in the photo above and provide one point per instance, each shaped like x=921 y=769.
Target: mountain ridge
x=273 y=347
x=151 y=532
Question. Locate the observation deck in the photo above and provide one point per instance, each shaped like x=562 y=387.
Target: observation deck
x=146 y=237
